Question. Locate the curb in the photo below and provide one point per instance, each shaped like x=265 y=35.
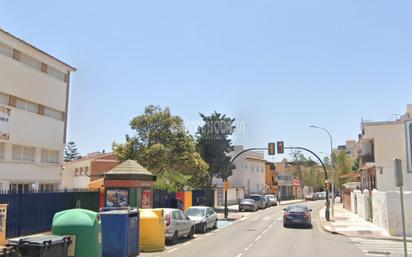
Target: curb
x=333 y=232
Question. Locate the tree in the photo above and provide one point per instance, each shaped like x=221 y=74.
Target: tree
x=343 y=165
x=70 y=152
x=214 y=144
x=163 y=146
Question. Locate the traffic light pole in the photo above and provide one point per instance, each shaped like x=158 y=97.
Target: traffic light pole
x=327 y=212
x=231 y=165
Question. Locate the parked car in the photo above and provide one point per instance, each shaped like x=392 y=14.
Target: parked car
x=310 y=197
x=248 y=205
x=272 y=200
x=299 y=215
x=203 y=217
x=260 y=199
x=178 y=225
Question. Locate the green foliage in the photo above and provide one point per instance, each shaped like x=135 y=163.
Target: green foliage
x=308 y=171
x=343 y=165
x=163 y=146
x=214 y=144
x=70 y=152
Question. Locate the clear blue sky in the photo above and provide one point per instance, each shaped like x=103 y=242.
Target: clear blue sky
x=276 y=66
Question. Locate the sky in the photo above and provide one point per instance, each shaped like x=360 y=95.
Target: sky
x=277 y=67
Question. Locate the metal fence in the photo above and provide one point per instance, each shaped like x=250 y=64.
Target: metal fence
x=33 y=212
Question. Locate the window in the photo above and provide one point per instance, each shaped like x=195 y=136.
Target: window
x=27 y=106
x=48 y=187
x=176 y=215
x=2 y=151
x=4 y=99
x=30 y=61
x=81 y=171
x=76 y=172
x=7 y=51
x=86 y=171
x=49 y=156
x=49 y=112
x=55 y=73
x=14 y=187
x=23 y=153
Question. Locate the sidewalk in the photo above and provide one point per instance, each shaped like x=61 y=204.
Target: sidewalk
x=349 y=224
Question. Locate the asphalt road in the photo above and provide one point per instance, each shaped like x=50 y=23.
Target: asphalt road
x=262 y=234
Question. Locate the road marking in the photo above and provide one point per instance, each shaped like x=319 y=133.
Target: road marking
x=264 y=232
x=197 y=238
x=270 y=226
x=247 y=248
x=259 y=237
x=240 y=254
x=175 y=249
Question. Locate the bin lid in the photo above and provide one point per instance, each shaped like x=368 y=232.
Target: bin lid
x=38 y=240
x=109 y=211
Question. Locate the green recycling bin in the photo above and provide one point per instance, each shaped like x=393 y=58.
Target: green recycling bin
x=84 y=229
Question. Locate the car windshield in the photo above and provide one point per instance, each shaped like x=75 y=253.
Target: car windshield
x=196 y=212
x=256 y=198
x=247 y=201
x=297 y=208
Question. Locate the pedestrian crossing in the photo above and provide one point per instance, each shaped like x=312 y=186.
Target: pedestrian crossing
x=381 y=248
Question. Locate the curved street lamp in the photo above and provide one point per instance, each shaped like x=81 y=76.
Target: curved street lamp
x=332 y=166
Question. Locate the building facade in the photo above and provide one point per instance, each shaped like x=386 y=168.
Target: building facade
x=271 y=178
x=78 y=174
x=249 y=172
x=34 y=93
x=380 y=143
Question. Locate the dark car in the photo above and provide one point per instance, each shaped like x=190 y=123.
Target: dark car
x=297 y=215
x=260 y=200
x=248 y=205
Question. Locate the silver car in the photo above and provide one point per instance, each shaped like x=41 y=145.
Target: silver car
x=203 y=217
x=178 y=225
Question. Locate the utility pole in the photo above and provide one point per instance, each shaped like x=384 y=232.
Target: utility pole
x=399 y=183
x=332 y=166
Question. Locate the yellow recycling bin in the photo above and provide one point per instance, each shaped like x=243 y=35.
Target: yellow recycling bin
x=152 y=230
x=3 y=223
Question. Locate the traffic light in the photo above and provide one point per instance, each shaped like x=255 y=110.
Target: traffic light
x=326 y=186
x=280 y=147
x=271 y=149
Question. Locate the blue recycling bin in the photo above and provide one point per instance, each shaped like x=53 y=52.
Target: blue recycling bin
x=120 y=232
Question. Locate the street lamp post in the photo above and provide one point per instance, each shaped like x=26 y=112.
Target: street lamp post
x=331 y=161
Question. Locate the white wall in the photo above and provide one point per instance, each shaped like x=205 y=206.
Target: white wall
x=249 y=172
x=387 y=211
x=389 y=143
x=70 y=181
x=27 y=83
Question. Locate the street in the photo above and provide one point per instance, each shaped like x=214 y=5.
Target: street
x=262 y=234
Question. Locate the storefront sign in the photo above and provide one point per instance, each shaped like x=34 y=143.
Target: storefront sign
x=146 y=198
x=5 y=123
x=117 y=198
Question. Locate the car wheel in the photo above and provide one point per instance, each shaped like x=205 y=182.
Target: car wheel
x=191 y=233
x=204 y=229
x=175 y=238
x=215 y=225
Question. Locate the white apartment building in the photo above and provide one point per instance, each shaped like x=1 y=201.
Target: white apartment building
x=381 y=142
x=34 y=92
x=249 y=172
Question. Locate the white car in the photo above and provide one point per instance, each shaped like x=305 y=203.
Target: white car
x=203 y=217
x=178 y=225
